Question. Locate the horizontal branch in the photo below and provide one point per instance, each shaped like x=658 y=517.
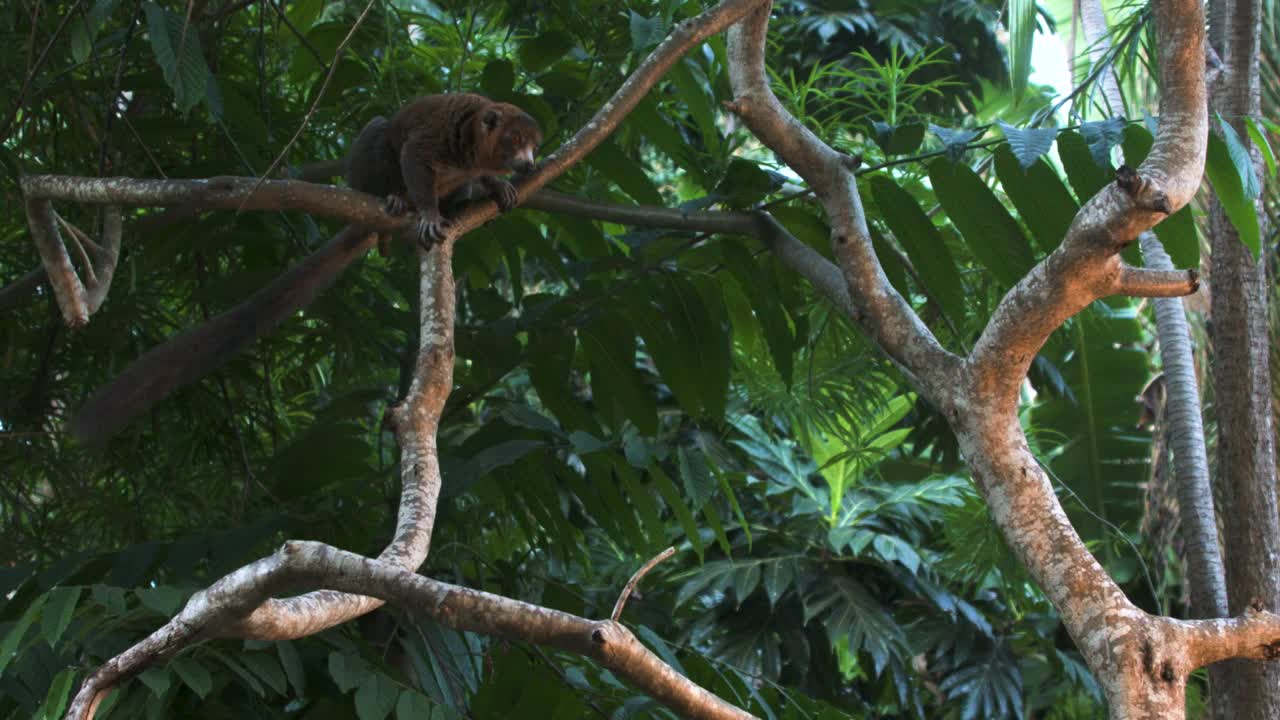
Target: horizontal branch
x=1254 y=635
x=218 y=193
x=1148 y=282
x=311 y=564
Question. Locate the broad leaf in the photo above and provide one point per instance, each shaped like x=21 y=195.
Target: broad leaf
x=986 y=226
x=1028 y=144
x=1041 y=199
x=1225 y=177
x=923 y=243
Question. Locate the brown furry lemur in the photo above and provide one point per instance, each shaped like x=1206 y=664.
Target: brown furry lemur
x=429 y=153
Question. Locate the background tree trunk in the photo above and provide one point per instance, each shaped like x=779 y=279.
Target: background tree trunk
x=1241 y=379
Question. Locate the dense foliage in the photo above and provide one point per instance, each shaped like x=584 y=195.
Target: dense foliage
x=617 y=390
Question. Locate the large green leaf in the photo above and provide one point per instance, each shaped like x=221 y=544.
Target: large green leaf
x=177 y=49
x=1102 y=458
x=1042 y=201
x=923 y=243
x=696 y=93
x=766 y=305
x=986 y=226
x=1021 y=22
x=1240 y=210
x=550 y=355
x=616 y=386
x=1087 y=177
x=626 y=172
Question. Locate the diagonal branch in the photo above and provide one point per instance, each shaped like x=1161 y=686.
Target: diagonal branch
x=876 y=305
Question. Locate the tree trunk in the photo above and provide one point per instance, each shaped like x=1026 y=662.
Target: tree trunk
x=1241 y=378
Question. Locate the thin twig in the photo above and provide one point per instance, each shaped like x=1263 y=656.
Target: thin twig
x=337 y=55
x=635 y=579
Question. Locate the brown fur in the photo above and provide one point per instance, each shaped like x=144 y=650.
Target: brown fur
x=449 y=141
x=204 y=348
x=436 y=146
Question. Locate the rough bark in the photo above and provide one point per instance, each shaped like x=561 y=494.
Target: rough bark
x=1246 y=478
x=1199 y=526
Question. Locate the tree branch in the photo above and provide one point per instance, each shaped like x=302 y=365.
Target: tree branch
x=308 y=564
x=242 y=604
x=876 y=305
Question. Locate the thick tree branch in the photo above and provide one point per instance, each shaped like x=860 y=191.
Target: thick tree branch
x=308 y=564
x=1254 y=635
x=877 y=306
x=16 y=293
x=245 y=607
x=1084 y=267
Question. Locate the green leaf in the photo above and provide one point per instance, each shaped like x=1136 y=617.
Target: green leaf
x=1260 y=141
x=986 y=226
x=162 y=599
x=376 y=697
x=1028 y=144
x=655 y=126
x=59 y=693
x=1177 y=232
x=1038 y=195
x=778 y=575
x=1102 y=459
x=699 y=485
x=744 y=184
x=670 y=353
x=1021 y=22
x=645 y=32
x=187 y=76
x=57 y=614
x=671 y=495
x=1101 y=136
x=890 y=262
x=303 y=14
x=955 y=143
x=540 y=52
x=1225 y=178
x=625 y=172
x=9 y=645
x=498 y=78
x=292 y=664
x=413 y=705
x=898 y=139
x=600 y=480
x=642 y=500
x=1241 y=158
x=696 y=94
x=1087 y=177
x=157 y=679
x=195 y=675
x=717 y=528
x=610 y=348
x=347 y=671
x=699 y=321
x=746 y=578
x=761 y=291
x=267 y=669
x=111 y=598
x=924 y=245
x=550 y=354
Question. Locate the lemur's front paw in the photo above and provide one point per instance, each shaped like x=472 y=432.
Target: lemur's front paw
x=504 y=193
x=395 y=205
x=432 y=228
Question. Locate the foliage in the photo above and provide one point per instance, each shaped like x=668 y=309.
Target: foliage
x=617 y=390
